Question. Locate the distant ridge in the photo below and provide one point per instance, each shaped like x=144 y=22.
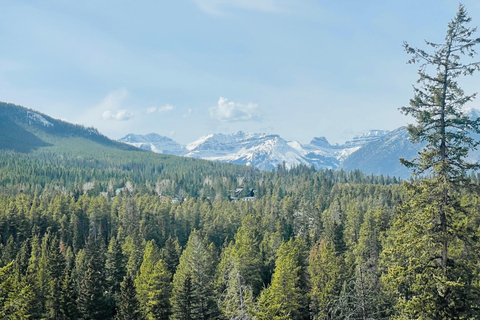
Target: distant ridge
x=374 y=152
x=261 y=150
x=24 y=130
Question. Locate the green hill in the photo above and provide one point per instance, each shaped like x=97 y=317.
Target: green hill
x=38 y=151
x=24 y=130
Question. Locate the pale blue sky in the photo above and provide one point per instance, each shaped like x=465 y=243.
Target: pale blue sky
x=185 y=68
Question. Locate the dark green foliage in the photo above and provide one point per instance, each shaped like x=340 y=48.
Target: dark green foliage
x=114 y=266
x=15 y=298
x=128 y=305
x=115 y=271
x=92 y=303
x=68 y=299
x=325 y=270
x=90 y=215
x=171 y=254
x=432 y=247
x=193 y=284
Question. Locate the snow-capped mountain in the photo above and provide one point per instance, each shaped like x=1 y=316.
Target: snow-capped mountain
x=381 y=156
x=154 y=142
x=264 y=151
x=261 y=150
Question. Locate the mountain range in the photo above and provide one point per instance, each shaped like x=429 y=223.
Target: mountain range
x=374 y=152
x=264 y=151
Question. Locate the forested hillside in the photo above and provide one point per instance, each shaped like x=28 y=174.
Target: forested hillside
x=308 y=246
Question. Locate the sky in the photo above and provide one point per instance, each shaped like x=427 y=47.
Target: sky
x=186 y=68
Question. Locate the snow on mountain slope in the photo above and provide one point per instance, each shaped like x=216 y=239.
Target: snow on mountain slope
x=320 y=146
x=35 y=117
x=376 y=151
x=262 y=150
x=154 y=142
x=381 y=156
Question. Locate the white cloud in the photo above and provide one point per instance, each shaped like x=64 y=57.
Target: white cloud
x=151 y=109
x=229 y=111
x=120 y=115
x=165 y=108
x=217 y=6
x=112 y=106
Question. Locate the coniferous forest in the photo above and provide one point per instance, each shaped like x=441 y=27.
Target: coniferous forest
x=131 y=235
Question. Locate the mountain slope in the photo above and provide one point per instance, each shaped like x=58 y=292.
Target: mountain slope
x=261 y=150
x=24 y=130
x=39 y=152
x=382 y=155
x=154 y=142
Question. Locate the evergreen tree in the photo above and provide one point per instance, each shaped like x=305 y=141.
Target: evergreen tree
x=432 y=246
x=114 y=270
x=128 y=306
x=68 y=299
x=157 y=305
x=150 y=258
x=236 y=300
x=362 y=296
x=287 y=296
x=15 y=298
x=245 y=256
x=171 y=253
x=91 y=301
x=193 y=284
x=56 y=266
x=325 y=269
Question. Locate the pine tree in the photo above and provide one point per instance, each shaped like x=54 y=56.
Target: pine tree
x=160 y=289
x=150 y=258
x=431 y=251
x=128 y=306
x=193 y=284
x=325 y=269
x=91 y=301
x=114 y=270
x=287 y=296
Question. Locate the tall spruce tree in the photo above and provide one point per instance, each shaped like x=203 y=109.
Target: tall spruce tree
x=160 y=289
x=193 y=284
x=287 y=296
x=92 y=303
x=431 y=250
x=15 y=298
x=114 y=271
x=128 y=307
x=325 y=270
